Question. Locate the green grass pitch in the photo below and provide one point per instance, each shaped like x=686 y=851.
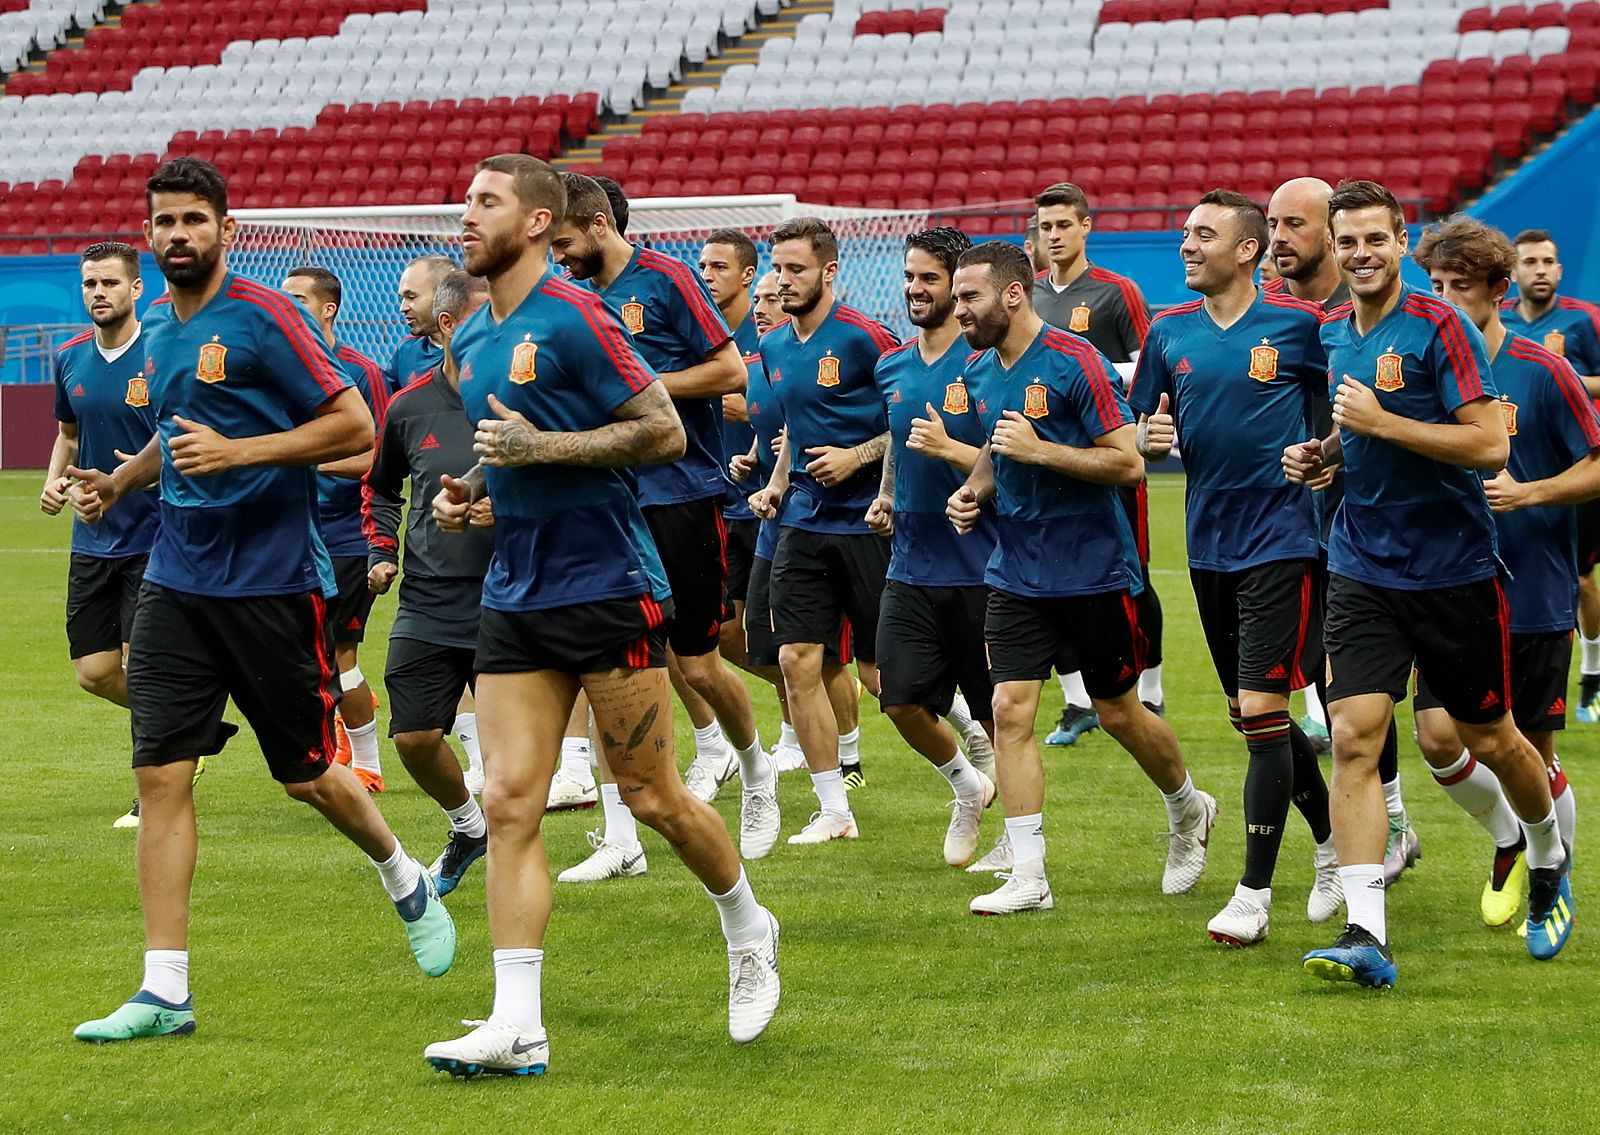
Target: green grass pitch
x=901 y=1012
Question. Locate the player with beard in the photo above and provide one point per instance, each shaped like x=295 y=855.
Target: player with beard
x=422 y=349
x=246 y=403
x=1061 y=439
x=575 y=599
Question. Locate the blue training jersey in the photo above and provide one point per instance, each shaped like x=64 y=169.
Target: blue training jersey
x=766 y=421
x=1552 y=425
x=827 y=396
x=1407 y=521
x=665 y=306
x=563 y=534
x=250 y=362
x=925 y=549
x=109 y=402
x=414 y=357
x=1571 y=329
x=339 y=498
x=737 y=436
x=1240 y=397
x=1056 y=535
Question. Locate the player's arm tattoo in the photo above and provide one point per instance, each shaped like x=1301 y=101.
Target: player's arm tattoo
x=886 y=484
x=647 y=432
x=476 y=483
x=869 y=451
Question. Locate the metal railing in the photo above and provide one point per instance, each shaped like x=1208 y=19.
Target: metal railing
x=28 y=351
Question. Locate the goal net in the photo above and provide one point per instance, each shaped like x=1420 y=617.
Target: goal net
x=369 y=248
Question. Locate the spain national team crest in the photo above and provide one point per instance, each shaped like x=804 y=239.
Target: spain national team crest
x=1263 y=363
x=1509 y=409
x=138 y=391
x=1079 y=320
x=1555 y=342
x=633 y=317
x=1391 y=373
x=828 y=371
x=955 y=398
x=522 y=362
x=213 y=363
x=1035 y=401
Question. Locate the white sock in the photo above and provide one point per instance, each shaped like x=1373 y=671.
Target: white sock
x=1261 y=896
x=575 y=759
x=708 y=742
x=1150 y=686
x=399 y=872
x=829 y=787
x=962 y=776
x=1391 y=798
x=1566 y=803
x=620 y=826
x=1027 y=840
x=1072 y=688
x=756 y=769
x=1588 y=655
x=1315 y=710
x=960 y=715
x=166 y=974
x=787 y=737
x=516 y=989
x=466 y=731
x=364 y=747
x=1178 y=803
x=468 y=819
x=1363 y=896
x=744 y=921
x=850 y=747
x=1544 y=842
x=1471 y=785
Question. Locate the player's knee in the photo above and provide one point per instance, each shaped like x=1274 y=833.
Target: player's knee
x=653 y=804
x=511 y=806
x=904 y=716
x=99 y=675
x=1500 y=746
x=419 y=748
x=306 y=791
x=801 y=663
x=1013 y=713
x=1440 y=745
x=1355 y=742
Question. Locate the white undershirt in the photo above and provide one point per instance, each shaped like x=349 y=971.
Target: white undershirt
x=116 y=353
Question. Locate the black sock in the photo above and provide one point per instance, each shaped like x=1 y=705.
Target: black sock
x=1266 y=794
x=1310 y=789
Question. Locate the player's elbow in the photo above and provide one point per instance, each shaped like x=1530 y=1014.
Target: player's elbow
x=1495 y=451
x=667 y=443
x=1129 y=469
x=731 y=376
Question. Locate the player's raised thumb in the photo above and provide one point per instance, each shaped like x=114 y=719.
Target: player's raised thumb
x=500 y=409
x=1164 y=406
x=933 y=415
x=74 y=472
x=456 y=489
x=186 y=425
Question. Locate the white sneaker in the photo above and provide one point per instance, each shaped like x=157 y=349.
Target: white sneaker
x=999 y=858
x=753 y=987
x=1020 y=892
x=980 y=751
x=759 y=821
x=493 y=1047
x=825 y=826
x=609 y=861
x=790 y=758
x=1186 y=846
x=130 y=818
x=961 y=837
x=474 y=779
x=567 y=791
x=709 y=772
x=1327 y=890
x=1240 y=923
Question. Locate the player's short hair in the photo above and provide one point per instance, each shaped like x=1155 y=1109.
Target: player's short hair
x=744 y=249
x=1064 y=193
x=813 y=230
x=455 y=293
x=1365 y=195
x=1006 y=262
x=1468 y=247
x=113 y=250
x=190 y=175
x=436 y=267
x=535 y=182
x=1534 y=236
x=943 y=244
x=586 y=197
x=1247 y=214
x=1033 y=227
x=323 y=282
x=619 y=203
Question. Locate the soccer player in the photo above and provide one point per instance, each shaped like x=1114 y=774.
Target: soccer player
x=1038 y=254
x=421 y=350
x=1061 y=439
x=1554 y=464
x=426 y=434
x=680 y=332
x=575 y=599
x=246 y=402
x=1108 y=310
x=339 y=514
x=1414 y=575
x=930 y=623
x=1571 y=328
x=102 y=409
x=1228 y=377
x=828 y=566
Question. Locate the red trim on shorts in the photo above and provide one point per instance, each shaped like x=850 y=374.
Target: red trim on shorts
x=1297 y=677
x=846 y=653
x=319 y=607
x=1141 y=535
x=722 y=559
x=1457 y=778
x=1140 y=662
x=1503 y=612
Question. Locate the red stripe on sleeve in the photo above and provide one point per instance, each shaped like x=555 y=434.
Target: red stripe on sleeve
x=1584 y=306
x=709 y=319
x=607 y=333
x=1469 y=383
x=1566 y=380
x=882 y=338
x=314 y=359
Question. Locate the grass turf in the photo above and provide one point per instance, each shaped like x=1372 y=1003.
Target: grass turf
x=901 y=1011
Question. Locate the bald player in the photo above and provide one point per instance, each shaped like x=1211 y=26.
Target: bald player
x=422 y=349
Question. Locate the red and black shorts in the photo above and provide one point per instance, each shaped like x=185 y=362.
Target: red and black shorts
x=1098 y=635
x=693 y=544
x=761 y=649
x=1458 y=638
x=930 y=641
x=1540 y=664
x=102 y=594
x=1263 y=625
x=821 y=580
x=584 y=638
x=348 y=613
x=271 y=654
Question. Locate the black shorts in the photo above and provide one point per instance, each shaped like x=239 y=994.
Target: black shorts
x=585 y=638
x=1148 y=604
x=1136 y=503
x=101 y=597
x=1459 y=638
x=1588 y=534
x=823 y=579
x=930 y=641
x=347 y=615
x=759 y=646
x=1540 y=664
x=1098 y=635
x=693 y=544
x=424 y=681
x=1263 y=625
x=271 y=654
x=741 y=554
